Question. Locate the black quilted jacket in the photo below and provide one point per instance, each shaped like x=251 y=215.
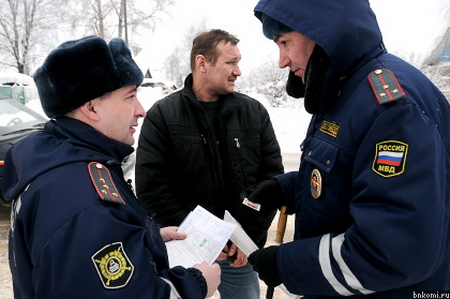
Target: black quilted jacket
x=182 y=161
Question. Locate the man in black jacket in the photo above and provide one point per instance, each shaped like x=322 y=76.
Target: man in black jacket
x=203 y=145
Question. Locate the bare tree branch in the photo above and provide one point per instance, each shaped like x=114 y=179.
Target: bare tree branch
x=20 y=27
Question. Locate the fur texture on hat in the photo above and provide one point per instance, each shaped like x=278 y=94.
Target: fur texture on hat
x=81 y=70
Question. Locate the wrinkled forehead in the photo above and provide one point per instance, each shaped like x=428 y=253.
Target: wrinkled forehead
x=228 y=51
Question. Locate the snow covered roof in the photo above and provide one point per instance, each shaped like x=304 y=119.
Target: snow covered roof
x=11 y=78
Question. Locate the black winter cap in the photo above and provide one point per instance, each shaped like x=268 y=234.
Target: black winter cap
x=81 y=70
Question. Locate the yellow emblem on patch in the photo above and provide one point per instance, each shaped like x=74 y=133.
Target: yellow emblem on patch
x=113 y=266
x=390 y=158
x=330 y=128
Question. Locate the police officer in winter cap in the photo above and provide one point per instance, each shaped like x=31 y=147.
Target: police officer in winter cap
x=78 y=229
x=81 y=70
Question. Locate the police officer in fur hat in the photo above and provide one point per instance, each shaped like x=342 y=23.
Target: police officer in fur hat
x=78 y=230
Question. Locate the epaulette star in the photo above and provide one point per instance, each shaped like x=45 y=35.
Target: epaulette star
x=103 y=183
x=385 y=86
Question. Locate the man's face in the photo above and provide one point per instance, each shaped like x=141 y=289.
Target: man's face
x=295 y=51
x=119 y=111
x=223 y=74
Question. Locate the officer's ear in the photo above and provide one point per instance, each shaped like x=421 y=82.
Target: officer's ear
x=90 y=109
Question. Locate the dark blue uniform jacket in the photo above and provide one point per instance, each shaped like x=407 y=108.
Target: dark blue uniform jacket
x=65 y=241
x=372 y=193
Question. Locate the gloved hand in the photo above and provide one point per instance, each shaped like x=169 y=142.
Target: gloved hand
x=264 y=261
x=267 y=193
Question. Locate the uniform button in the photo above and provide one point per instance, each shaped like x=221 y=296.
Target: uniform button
x=328 y=163
x=310 y=153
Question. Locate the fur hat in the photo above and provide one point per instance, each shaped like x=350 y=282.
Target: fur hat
x=81 y=70
x=272 y=27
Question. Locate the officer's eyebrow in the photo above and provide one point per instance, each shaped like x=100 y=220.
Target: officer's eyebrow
x=276 y=37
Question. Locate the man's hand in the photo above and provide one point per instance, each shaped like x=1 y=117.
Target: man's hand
x=211 y=273
x=236 y=256
x=171 y=232
x=241 y=259
x=267 y=193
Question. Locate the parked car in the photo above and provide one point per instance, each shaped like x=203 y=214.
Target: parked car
x=16 y=122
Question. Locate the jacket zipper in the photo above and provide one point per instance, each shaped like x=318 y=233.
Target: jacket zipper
x=236 y=140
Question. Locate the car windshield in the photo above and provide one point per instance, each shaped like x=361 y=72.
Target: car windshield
x=16 y=117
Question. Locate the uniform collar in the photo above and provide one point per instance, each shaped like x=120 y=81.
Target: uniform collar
x=81 y=134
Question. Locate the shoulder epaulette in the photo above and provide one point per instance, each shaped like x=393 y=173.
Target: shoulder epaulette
x=385 y=86
x=103 y=183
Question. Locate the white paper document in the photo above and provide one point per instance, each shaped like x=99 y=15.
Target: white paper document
x=206 y=237
x=240 y=237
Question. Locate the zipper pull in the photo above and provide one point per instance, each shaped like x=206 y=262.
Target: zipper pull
x=236 y=140
x=130 y=185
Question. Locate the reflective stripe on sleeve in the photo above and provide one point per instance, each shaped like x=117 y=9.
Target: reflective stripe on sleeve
x=350 y=278
x=173 y=291
x=325 y=265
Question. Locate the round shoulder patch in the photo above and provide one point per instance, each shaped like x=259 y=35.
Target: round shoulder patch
x=113 y=266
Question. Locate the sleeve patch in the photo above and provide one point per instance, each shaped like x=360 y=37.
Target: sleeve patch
x=390 y=158
x=113 y=266
x=103 y=183
x=385 y=86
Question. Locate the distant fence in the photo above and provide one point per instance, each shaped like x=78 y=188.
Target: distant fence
x=21 y=94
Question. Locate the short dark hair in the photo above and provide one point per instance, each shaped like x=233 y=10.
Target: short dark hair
x=206 y=44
